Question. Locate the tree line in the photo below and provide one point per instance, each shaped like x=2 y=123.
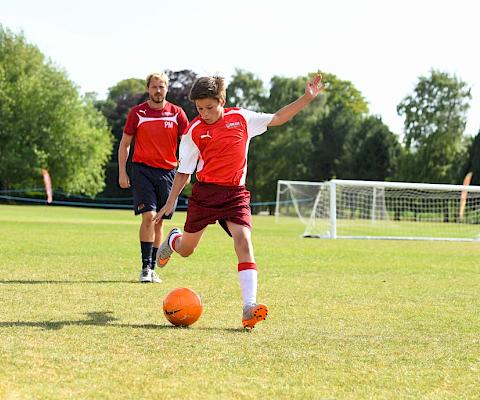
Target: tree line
x=46 y=123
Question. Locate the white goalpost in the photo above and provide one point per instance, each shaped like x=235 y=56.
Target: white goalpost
x=352 y=209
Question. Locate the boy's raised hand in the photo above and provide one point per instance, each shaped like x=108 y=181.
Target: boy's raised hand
x=314 y=86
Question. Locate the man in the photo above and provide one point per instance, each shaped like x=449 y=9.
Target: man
x=157 y=126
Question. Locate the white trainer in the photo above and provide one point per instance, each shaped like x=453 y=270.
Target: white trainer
x=155 y=277
x=146 y=275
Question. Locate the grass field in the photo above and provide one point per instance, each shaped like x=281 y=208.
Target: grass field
x=347 y=227
x=349 y=319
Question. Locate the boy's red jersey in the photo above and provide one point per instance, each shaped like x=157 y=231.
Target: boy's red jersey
x=157 y=133
x=219 y=151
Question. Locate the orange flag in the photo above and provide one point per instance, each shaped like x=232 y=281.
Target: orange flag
x=48 y=185
x=463 y=196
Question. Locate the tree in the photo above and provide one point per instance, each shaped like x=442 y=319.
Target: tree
x=310 y=146
x=121 y=98
x=179 y=90
x=246 y=90
x=435 y=119
x=282 y=152
x=371 y=153
x=46 y=124
x=342 y=115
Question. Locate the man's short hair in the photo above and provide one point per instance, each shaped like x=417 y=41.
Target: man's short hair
x=208 y=87
x=161 y=76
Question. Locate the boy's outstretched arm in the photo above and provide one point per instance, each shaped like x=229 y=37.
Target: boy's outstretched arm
x=312 y=89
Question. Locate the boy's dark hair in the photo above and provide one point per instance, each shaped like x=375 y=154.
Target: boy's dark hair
x=208 y=87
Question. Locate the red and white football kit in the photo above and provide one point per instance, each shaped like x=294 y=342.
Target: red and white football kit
x=219 y=153
x=157 y=133
x=221 y=148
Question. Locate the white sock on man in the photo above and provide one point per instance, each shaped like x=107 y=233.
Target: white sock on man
x=247 y=273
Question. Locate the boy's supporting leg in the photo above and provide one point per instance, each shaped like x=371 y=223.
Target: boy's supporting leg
x=248 y=276
x=247 y=273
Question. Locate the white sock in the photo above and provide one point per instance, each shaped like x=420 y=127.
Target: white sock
x=248 y=284
x=173 y=238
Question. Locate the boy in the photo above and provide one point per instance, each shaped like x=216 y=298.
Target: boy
x=216 y=144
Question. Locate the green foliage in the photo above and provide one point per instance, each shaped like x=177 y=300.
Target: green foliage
x=46 y=124
x=333 y=137
x=311 y=145
x=343 y=112
x=246 y=90
x=371 y=153
x=282 y=152
x=179 y=90
x=435 y=119
x=124 y=95
x=343 y=94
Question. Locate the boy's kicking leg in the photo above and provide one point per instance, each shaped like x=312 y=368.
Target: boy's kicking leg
x=183 y=243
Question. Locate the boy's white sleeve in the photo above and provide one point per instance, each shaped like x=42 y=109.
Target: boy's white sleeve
x=257 y=123
x=188 y=154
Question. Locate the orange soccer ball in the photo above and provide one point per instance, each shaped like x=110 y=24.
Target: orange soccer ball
x=182 y=306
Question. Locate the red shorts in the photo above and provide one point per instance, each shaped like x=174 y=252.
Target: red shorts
x=210 y=203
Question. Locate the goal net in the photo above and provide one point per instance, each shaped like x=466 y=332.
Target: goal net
x=381 y=210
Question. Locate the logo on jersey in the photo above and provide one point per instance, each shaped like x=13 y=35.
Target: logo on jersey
x=205 y=135
x=143 y=111
x=231 y=125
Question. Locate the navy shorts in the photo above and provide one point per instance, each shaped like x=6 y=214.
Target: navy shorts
x=211 y=203
x=150 y=187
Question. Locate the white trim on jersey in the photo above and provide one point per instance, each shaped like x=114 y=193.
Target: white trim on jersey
x=257 y=123
x=188 y=153
x=141 y=119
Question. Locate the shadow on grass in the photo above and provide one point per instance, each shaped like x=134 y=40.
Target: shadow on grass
x=104 y=318
x=69 y=282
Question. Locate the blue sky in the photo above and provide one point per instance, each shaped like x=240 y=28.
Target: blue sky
x=382 y=47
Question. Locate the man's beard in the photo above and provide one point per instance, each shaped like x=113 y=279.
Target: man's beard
x=157 y=99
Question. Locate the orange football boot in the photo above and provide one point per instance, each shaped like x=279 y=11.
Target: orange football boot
x=253 y=314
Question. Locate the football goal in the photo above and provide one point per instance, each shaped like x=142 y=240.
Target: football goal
x=352 y=209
